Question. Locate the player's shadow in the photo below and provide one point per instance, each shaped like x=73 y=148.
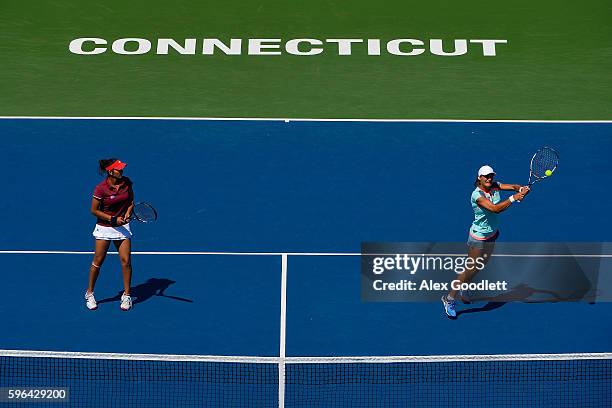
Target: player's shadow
x=486 y=308
x=521 y=293
x=145 y=291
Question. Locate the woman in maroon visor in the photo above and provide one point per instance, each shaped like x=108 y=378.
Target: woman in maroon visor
x=112 y=204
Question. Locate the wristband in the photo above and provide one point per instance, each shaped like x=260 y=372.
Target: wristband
x=512 y=199
x=113 y=221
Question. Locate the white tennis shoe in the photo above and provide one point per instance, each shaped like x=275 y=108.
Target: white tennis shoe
x=126 y=302
x=449 y=307
x=90 y=301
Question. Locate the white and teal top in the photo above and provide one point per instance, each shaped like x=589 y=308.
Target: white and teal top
x=486 y=223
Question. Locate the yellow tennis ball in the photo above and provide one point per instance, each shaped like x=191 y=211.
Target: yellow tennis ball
x=548 y=173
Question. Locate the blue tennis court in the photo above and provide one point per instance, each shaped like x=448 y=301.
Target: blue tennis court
x=255 y=254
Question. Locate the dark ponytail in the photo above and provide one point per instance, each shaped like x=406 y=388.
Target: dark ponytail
x=476 y=182
x=103 y=164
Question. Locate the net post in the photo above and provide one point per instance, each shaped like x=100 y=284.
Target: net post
x=283 y=336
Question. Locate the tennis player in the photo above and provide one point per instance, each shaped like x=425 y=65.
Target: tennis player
x=112 y=204
x=487 y=204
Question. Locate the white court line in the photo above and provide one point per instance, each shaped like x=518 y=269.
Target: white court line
x=27 y=252
x=305 y=119
x=283 y=334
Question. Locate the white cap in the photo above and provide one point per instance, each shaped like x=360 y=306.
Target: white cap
x=484 y=170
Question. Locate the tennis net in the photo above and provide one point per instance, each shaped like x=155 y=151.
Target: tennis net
x=145 y=380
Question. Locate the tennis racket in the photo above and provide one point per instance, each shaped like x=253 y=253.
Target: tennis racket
x=543 y=160
x=144 y=212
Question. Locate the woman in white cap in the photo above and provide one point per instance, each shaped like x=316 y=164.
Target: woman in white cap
x=112 y=204
x=487 y=204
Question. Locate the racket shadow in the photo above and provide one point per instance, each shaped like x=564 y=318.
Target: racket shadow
x=146 y=291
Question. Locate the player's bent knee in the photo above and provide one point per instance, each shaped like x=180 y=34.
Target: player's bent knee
x=97 y=262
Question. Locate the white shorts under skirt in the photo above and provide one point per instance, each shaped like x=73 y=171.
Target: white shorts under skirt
x=112 y=233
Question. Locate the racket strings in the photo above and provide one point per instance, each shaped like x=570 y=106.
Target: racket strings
x=545 y=159
x=144 y=212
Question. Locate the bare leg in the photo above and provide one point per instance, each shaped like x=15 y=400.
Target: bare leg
x=94 y=270
x=124 y=248
x=469 y=274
